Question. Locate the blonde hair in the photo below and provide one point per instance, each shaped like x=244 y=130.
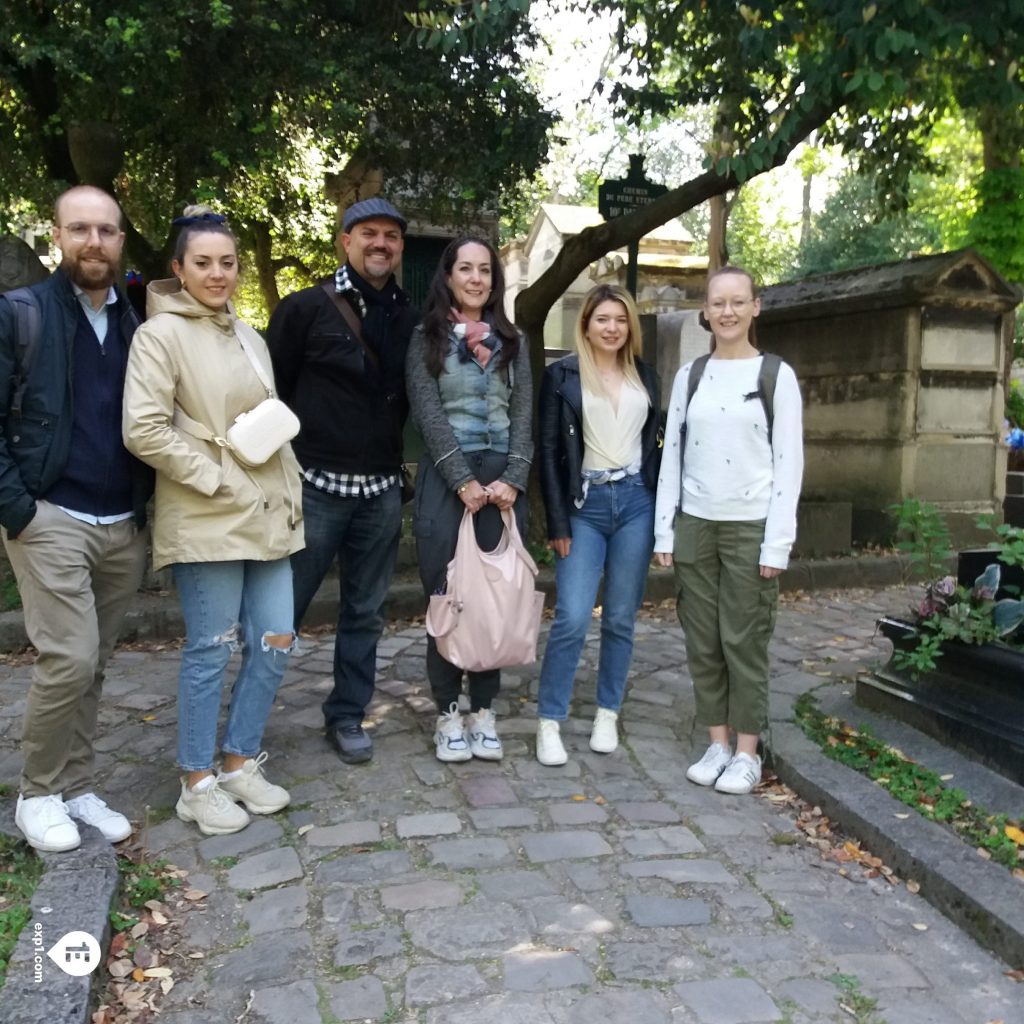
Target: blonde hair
x=627 y=355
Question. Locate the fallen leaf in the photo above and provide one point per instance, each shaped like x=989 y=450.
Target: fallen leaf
x=914 y=887
x=166 y=985
x=305 y=828
x=902 y=817
x=920 y=927
x=158 y=918
x=153 y=905
x=577 y=797
x=946 y=778
x=139 y=930
x=195 y=894
x=983 y=853
x=158 y=972
x=1017 y=975
x=120 y=968
x=600 y=800
x=138 y=974
x=1014 y=833
x=196 y=955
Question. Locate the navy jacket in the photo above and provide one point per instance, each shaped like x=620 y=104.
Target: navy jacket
x=34 y=446
x=561 y=439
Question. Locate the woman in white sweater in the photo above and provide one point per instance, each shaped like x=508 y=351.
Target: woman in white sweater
x=726 y=516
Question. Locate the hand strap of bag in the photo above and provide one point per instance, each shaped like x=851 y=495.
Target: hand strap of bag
x=256 y=365
x=512 y=531
x=350 y=318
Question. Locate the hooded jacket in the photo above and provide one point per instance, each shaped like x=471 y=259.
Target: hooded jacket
x=208 y=507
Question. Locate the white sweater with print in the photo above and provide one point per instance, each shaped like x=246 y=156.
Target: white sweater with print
x=731 y=472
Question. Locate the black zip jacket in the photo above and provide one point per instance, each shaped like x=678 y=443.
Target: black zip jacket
x=34 y=446
x=561 y=440
x=352 y=413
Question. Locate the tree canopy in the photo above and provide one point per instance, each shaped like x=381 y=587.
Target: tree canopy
x=165 y=103
x=871 y=77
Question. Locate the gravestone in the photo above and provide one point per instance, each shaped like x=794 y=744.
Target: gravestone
x=19 y=265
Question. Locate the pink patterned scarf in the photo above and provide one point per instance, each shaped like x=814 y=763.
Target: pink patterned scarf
x=476 y=334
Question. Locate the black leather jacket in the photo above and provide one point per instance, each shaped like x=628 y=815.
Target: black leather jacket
x=561 y=439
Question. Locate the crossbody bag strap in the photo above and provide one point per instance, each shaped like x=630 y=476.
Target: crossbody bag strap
x=183 y=421
x=350 y=318
x=256 y=364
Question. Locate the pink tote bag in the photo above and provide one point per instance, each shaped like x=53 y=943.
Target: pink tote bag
x=489 y=616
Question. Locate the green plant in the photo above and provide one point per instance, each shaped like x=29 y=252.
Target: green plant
x=1015 y=404
x=20 y=871
x=144 y=881
x=541 y=553
x=918 y=787
x=852 y=1001
x=921 y=534
x=10 y=598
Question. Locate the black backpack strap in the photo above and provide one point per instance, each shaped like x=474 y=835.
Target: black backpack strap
x=766 y=379
x=28 y=323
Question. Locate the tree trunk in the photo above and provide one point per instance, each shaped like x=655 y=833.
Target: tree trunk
x=263 y=245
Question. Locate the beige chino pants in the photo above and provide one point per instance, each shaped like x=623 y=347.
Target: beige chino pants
x=76 y=583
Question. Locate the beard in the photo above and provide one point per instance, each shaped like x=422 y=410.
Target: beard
x=89 y=276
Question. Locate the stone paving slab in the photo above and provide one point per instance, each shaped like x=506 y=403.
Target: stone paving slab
x=610 y=889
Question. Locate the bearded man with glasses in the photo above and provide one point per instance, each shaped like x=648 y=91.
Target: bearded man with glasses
x=72 y=507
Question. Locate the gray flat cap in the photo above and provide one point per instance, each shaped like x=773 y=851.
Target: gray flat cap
x=367 y=209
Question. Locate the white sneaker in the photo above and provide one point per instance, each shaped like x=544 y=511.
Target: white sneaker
x=549 y=743
x=210 y=809
x=710 y=766
x=604 y=737
x=250 y=787
x=93 y=811
x=450 y=738
x=741 y=776
x=483 y=736
x=45 y=823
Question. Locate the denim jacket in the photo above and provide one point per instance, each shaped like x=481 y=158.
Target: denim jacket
x=476 y=399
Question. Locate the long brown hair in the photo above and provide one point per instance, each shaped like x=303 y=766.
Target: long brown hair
x=440 y=302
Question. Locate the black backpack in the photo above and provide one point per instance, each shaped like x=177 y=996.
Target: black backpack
x=28 y=323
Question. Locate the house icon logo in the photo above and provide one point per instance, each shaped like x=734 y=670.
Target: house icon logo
x=76 y=953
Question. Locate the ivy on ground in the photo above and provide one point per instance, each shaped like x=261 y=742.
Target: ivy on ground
x=996 y=836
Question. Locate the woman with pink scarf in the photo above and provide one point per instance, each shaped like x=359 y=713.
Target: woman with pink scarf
x=468 y=377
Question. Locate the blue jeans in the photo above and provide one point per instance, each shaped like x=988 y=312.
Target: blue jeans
x=363 y=533
x=229 y=606
x=613 y=533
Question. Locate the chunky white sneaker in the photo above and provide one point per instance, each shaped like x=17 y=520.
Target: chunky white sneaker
x=710 y=766
x=549 y=743
x=604 y=737
x=741 y=776
x=450 y=737
x=483 y=736
x=93 y=811
x=45 y=823
x=249 y=786
x=210 y=809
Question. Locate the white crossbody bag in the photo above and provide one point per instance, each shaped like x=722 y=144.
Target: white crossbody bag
x=255 y=435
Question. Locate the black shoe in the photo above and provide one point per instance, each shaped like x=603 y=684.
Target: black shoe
x=351 y=742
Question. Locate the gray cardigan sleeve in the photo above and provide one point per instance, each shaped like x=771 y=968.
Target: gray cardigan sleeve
x=429 y=416
x=520 y=414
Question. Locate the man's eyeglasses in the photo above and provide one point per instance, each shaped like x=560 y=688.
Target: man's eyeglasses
x=82 y=232
x=737 y=305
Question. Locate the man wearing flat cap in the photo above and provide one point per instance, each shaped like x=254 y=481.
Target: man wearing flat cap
x=338 y=350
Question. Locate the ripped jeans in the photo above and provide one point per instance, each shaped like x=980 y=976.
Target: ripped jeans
x=229 y=607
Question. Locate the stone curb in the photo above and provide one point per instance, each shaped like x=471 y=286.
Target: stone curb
x=980 y=897
x=75 y=893
x=158 y=617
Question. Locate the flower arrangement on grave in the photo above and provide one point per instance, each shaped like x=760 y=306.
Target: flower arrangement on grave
x=950 y=612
